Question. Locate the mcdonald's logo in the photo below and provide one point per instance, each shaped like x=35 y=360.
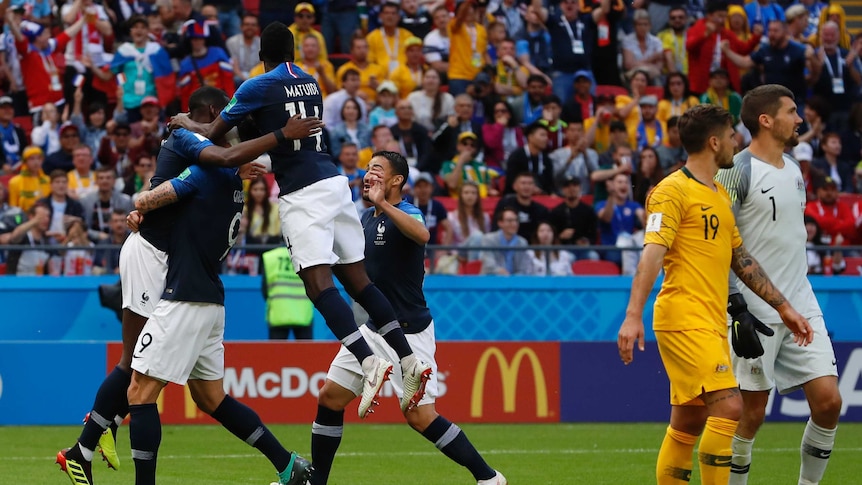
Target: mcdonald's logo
x=509 y=380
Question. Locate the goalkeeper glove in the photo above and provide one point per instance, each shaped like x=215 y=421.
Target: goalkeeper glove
x=744 y=328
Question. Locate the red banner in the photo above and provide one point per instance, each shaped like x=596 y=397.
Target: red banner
x=478 y=381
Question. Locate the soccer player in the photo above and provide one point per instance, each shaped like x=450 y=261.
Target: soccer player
x=318 y=217
x=691 y=233
x=395 y=233
x=767 y=191
x=183 y=340
x=143 y=267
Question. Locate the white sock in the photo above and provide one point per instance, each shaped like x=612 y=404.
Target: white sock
x=368 y=364
x=816 y=447
x=741 y=461
x=118 y=420
x=408 y=361
x=86 y=452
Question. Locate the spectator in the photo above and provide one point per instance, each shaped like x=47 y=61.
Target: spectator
x=509 y=13
x=502 y=137
x=369 y=74
x=415 y=18
x=321 y=70
x=672 y=155
x=648 y=175
x=408 y=75
x=413 y=140
x=620 y=162
x=839 y=170
x=574 y=220
x=303 y=16
x=464 y=167
x=47 y=135
x=619 y=216
x=677 y=97
x=797 y=23
x=834 y=216
x=598 y=128
x=384 y=112
x=581 y=105
x=721 y=94
x=89 y=43
x=36 y=48
x=469 y=222
x=445 y=138
x=496 y=35
x=348 y=159
x=340 y=19
x=184 y=16
x=77 y=262
x=148 y=132
x=93 y=130
x=10 y=63
x=121 y=12
x=815 y=123
x=814 y=9
x=572 y=41
x=642 y=50
x=762 y=12
x=840 y=73
x=107 y=260
x=650 y=132
x=435 y=215
x=529 y=211
x=469 y=40
x=534 y=48
x=484 y=97
x=575 y=160
x=435 y=45
x=82 y=180
x=737 y=22
x=243 y=48
x=204 y=66
x=555 y=262
x=139 y=180
x=31 y=184
x=533 y=158
x=352 y=129
x=386 y=44
x=63 y=209
x=673 y=39
x=851 y=138
x=62 y=158
x=381 y=139
x=33 y=233
x=552 y=107
x=815 y=238
x=430 y=104
x=804 y=154
x=333 y=103
x=99 y=205
x=115 y=149
x=12 y=136
x=507 y=262
x=528 y=107
x=834 y=13
x=264 y=226
x=228 y=14
x=607 y=15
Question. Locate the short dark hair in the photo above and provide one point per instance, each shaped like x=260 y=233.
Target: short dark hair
x=672 y=122
x=378 y=128
x=552 y=98
x=678 y=7
x=701 y=122
x=118 y=211
x=276 y=44
x=764 y=99
x=397 y=162
x=349 y=72
x=390 y=4
x=105 y=169
x=713 y=6
x=503 y=211
x=207 y=96
x=57 y=173
x=524 y=174
x=535 y=78
x=532 y=127
x=137 y=19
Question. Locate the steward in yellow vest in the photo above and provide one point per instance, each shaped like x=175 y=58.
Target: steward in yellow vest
x=287 y=306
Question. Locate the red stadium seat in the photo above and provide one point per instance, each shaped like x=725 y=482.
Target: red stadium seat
x=26 y=123
x=590 y=267
x=489 y=204
x=549 y=201
x=611 y=90
x=470 y=268
x=854 y=266
x=4 y=179
x=449 y=203
x=656 y=91
x=2 y=268
x=252 y=6
x=587 y=199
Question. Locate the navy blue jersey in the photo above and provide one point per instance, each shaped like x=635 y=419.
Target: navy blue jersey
x=396 y=264
x=207 y=226
x=181 y=149
x=271 y=99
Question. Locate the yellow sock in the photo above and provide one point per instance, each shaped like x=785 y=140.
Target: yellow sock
x=715 y=453
x=673 y=466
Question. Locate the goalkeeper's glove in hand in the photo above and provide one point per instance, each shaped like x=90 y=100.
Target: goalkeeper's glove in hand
x=744 y=328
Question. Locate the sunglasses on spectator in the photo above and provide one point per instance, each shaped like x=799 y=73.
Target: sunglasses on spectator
x=468 y=143
x=677 y=17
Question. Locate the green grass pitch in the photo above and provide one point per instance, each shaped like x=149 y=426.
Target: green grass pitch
x=582 y=454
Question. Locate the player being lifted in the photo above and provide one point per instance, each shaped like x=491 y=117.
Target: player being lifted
x=768 y=196
x=318 y=218
x=691 y=233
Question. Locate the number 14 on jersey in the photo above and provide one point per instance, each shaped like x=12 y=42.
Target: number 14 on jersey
x=298 y=107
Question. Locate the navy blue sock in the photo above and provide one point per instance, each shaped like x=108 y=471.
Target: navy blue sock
x=325 y=437
x=246 y=425
x=110 y=401
x=339 y=319
x=383 y=315
x=449 y=439
x=145 y=435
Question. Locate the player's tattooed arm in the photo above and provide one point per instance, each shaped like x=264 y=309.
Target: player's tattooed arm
x=158 y=197
x=751 y=273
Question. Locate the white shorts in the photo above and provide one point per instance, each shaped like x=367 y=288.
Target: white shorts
x=182 y=340
x=347 y=373
x=143 y=270
x=320 y=224
x=784 y=363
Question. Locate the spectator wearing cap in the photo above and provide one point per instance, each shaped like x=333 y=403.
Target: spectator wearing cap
x=204 y=66
x=581 y=102
x=351 y=130
x=184 y=17
x=575 y=159
x=47 y=135
x=82 y=179
x=413 y=140
x=350 y=89
x=12 y=137
x=804 y=154
x=70 y=137
x=598 y=127
x=114 y=152
x=415 y=18
x=321 y=70
x=87 y=47
x=510 y=78
x=572 y=39
x=469 y=40
x=650 y=132
x=677 y=97
x=574 y=220
x=552 y=107
x=386 y=44
x=839 y=170
x=303 y=19
x=147 y=132
x=528 y=107
x=339 y=18
x=408 y=75
x=244 y=47
x=30 y=184
x=435 y=215
x=384 y=112
x=834 y=216
x=721 y=94
x=533 y=158
x=370 y=74
x=435 y=45
x=36 y=48
x=673 y=39
x=464 y=167
x=143 y=69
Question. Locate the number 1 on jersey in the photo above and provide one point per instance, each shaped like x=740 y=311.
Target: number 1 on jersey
x=291 y=108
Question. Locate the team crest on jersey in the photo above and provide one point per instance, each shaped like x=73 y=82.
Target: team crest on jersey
x=381 y=229
x=800 y=185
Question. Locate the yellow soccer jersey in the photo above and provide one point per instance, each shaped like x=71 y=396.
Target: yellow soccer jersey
x=697 y=226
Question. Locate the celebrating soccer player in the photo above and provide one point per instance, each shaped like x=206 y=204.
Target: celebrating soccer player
x=691 y=233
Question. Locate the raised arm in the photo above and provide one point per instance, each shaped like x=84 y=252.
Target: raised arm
x=247 y=151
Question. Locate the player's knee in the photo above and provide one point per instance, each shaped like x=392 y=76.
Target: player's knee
x=732 y=410
x=332 y=397
x=826 y=407
x=207 y=402
x=419 y=418
x=754 y=415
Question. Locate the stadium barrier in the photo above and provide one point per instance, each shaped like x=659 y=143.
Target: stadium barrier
x=508 y=382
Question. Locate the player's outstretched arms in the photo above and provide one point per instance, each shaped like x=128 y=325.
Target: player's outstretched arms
x=632 y=329
x=251 y=149
x=750 y=272
x=150 y=200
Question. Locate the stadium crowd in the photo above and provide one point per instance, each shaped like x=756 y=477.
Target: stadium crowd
x=524 y=122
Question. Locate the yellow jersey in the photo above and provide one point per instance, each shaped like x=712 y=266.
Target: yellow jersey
x=697 y=226
x=668 y=109
x=327 y=68
x=256 y=70
x=602 y=141
x=25 y=189
x=387 y=52
x=365 y=158
x=675 y=44
x=508 y=77
x=406 y=79
x=365 y=75
x=298 y=37
x=467 y=47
